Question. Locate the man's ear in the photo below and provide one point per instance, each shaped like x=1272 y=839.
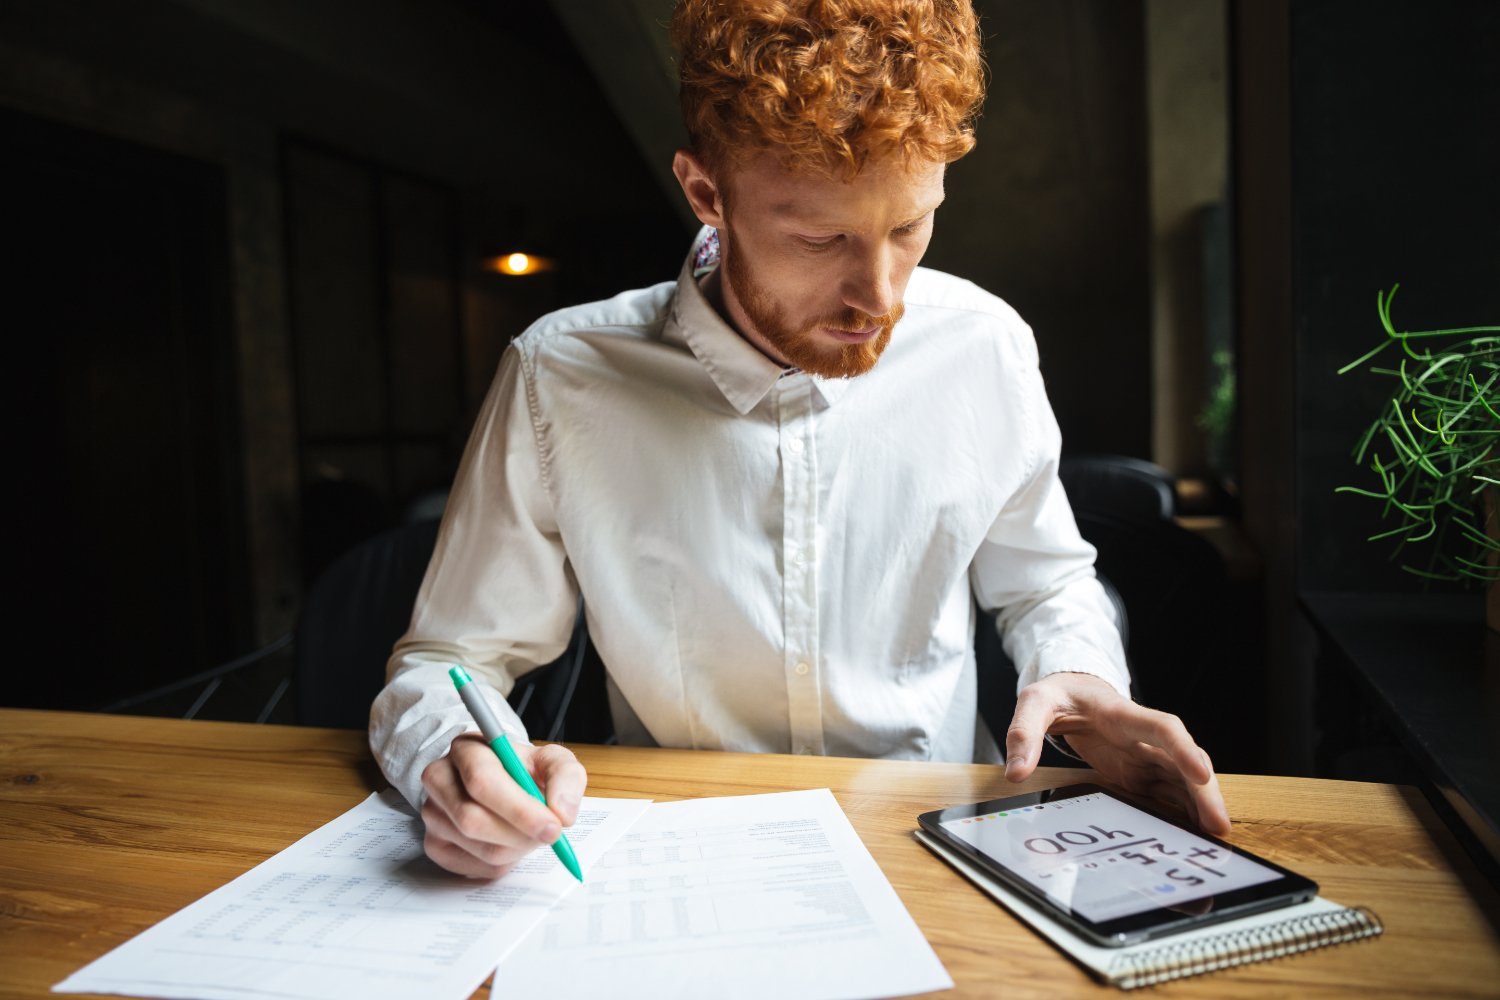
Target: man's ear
x=702 y=191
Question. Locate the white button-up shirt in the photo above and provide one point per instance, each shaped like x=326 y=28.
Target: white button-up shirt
x=769 y=561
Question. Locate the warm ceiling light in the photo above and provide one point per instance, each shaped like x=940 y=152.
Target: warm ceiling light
x=519 y=263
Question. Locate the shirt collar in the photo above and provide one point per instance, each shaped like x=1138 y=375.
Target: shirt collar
x=742 y=373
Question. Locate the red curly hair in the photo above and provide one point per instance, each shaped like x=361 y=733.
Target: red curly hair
x=827 y=84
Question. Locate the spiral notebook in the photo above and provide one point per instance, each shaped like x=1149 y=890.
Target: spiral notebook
x=1317 y=923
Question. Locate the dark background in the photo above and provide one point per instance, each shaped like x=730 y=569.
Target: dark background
x=1394 y=160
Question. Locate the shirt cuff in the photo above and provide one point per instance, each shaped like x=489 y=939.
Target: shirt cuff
x=416 y=718
x=1065 y=655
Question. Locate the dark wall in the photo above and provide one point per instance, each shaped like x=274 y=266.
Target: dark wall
x=1395 y=146
x=163 y=429
x=1050 y=210
x=127 y=489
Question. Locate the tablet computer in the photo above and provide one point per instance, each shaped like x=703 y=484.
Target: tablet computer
x=1111 y=871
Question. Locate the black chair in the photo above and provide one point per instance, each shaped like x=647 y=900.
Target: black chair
x=362 y=604
x=350 y=620
x=1119 y=485
x=351 y=617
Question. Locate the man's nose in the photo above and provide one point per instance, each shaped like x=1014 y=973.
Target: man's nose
x=868 y=287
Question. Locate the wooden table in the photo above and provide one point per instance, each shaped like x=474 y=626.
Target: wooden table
x=110 y=823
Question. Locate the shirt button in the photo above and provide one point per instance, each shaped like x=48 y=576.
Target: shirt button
x=802 y=669
x=794 y=446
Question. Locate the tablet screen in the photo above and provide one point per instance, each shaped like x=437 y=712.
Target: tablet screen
x=1103 y=858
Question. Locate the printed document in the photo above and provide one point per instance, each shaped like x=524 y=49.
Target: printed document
x=751 y=896
x=354 y=909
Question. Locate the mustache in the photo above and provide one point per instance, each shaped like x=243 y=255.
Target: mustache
x=851 y=320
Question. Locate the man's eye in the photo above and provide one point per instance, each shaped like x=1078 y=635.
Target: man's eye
x=818 y=244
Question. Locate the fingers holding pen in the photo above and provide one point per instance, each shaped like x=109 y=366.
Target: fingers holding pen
x=478 y=822
x=492 y=792
x=562 y=779
x=451 y=848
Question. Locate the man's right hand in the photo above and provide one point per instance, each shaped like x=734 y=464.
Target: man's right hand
x=480 y=822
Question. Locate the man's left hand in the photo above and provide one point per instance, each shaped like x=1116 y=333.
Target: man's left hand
x=1137 y=748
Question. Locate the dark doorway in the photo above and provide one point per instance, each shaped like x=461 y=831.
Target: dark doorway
x=130 y=536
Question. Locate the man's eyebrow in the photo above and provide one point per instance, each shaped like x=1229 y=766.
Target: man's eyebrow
x=926 y=212
x=793 y=211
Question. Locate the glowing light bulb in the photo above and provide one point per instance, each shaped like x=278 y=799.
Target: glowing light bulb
x=518 y=264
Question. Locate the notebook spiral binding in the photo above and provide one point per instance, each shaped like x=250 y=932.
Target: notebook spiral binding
x=1259 y=944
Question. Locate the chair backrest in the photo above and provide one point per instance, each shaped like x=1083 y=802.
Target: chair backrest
x=352 y=616
x=357 y=609
x=1119 y=485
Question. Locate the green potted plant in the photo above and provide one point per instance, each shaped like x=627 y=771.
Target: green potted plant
x=1435 y=452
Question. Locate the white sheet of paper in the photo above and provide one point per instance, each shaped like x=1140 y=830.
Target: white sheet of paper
x=750 y=896
x=354 y=909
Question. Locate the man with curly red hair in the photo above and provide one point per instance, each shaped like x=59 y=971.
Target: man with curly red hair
x=783 y=481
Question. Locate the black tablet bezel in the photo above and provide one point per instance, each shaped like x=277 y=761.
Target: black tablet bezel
x=1290 y=888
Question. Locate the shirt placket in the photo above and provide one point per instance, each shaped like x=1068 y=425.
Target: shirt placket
x=799 y=465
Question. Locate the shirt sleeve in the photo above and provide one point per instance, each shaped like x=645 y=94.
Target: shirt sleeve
x=498 y=598
x=1036 y=569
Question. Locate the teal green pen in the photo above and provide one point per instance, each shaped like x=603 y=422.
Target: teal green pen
x=490 y=727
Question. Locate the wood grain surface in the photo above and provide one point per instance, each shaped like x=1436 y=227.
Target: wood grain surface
x=110 y=823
